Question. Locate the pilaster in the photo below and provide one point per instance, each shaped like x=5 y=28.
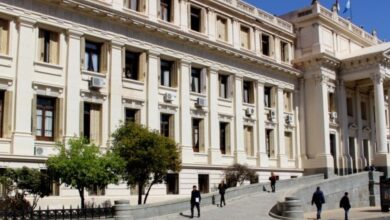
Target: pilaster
x=153 y=116
x=152 y=9
x=239 y=151
x=282 y=157
x=214 y=151
x=361 y=162
x=236 y=34
x=263 y=160
x=344 y=159
x=211 y=23
x=183 y=15
x=185 y=114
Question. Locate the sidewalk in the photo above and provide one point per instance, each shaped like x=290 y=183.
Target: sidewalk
x=368 y=213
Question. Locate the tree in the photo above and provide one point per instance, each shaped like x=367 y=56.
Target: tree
x=238 y=173
x=83 y=166
x=148 y=156
x=25 y=181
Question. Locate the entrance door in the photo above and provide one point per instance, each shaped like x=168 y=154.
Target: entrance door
x=352 y=153
x=333 y=151
x=366 y=152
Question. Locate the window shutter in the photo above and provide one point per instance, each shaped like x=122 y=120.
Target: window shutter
x=123 y=62
x=142 y=5
x=138 y=116
x=227 y=139
x=142 y=66
x=7 y=117
x=58 y=124
x=203 y=20
x=82 y=53
x=82 y=119
x=273 y=95
x=252 y=93
x=271 y=46
x=287 y=52
x=172 y=15
x=201 y=136
x=203 y=80
x=95 y=126
x=54 y=47
x=174 y=75
x=104 y=57
x=41 y=43
x=172 y=127
x=4 y=30
x=230 y=86
x=34 y=114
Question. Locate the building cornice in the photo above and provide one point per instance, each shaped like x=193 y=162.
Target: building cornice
x=319 y=60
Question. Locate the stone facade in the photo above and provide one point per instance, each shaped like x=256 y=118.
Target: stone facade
x=227 y=81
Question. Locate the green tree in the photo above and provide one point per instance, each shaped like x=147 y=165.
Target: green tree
x=148 y=156
x=238 y=173
x=83 y=166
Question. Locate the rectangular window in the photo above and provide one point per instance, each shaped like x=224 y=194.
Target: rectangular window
x=284 y=51
x=224 y=137
x=167 y=125
x=92 y=123
x=196 y=80
x=245 y=37
x=350 y=106
x=222 y=29
x=167 y=73
x=166 y=11
x=223 y=86
x=132 y=115
x=265 y=45
x=96 y=191
x=248 y=141
x=131 y=65
x=248 y=92
x=133 y=5
x=287 y=101
x=196 y=19
x=198 y=135
x=92 y=60
x=48 y=46
x=363 y=108
x=269 y=133
x=268 y=97
x=289 y=145
x=45 y=119
x=4 y=36
x=1 y=112
x=172 y=183
x=203 y=182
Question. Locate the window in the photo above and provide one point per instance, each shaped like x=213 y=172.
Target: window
x=92 y=56
x=1 y=112
x=248 y=92
x=96 y=191
x=48 y=46
x=245 y=37
x=269 y=97
x=92 y=122
x=172 y=183
x=4 y=36
x=269 y=133
x=196 y=80
x=197 y=135
x=248 y=141
x=168 y=75
x=45 y=119
x=224 y=137
x=287 y=101
x=167 y=125
x=350 y=106
x=196 y=19
x=222 y=31
x=265 y=45
x=284 y=51
x=351 y=144
x=136 y=5
x=224 y=86
x=331 y=102
x=166 y=10
x=363 y=110
x=203 y=182
x=131 y=66
x=132 y=115
x=289 y=145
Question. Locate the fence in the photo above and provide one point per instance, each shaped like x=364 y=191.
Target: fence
x=46 y=214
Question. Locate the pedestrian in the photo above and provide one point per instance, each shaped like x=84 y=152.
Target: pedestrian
x=195 y=201
x=222 y=188
x=344 y=203
x=273 y=181
x=318 y=199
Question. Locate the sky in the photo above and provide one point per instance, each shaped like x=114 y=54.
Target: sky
x=371 y=14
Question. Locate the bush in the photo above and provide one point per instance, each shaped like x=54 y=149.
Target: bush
x=15 y=203
x=237 y=174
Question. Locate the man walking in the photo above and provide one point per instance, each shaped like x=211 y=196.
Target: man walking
x=222 y=188
x=318 y=199
x=195 y=201
x=273 y=181
x=344 y=203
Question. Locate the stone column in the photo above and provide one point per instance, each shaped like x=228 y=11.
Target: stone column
x=263 y=160
x=214 y=151
x=282 y=157
x=361 y=164
x=297 y=131
x=239 y=151
x=23 y=139
x=153 y=113
x=185 y=113
x=302 y=124
x=344 y=159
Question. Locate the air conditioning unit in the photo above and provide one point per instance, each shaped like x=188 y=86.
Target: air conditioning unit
x=272 y=115
x=169 y=97
x=333 y=115
x=250 y=111
x=97 y=83
x=201 y=102
x=289 y=119
x=38 y=151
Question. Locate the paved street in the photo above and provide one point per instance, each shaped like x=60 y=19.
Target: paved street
x=373 y=213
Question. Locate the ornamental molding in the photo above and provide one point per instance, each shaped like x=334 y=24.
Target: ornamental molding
x=353 y=126
x=6 y=83
x=165 y=108
x=47 y=89
x=378 y=78
x=199 y=113
x=93 y=96
x=133 y=103
x=225 y=118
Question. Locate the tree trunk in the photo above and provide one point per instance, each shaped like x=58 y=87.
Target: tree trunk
x=140 y=186
x=147 y=193
x=81 y=193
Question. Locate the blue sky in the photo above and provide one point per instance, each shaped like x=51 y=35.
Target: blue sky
x=371 y=14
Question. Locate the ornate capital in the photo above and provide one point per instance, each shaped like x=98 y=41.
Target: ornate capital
x=321 y=79
x=378 y=78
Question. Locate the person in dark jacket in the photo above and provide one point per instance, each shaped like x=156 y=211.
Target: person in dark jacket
x=195 y=201
x=222 y=188
x=344 y=203
x=318 y=199
x=273 y=181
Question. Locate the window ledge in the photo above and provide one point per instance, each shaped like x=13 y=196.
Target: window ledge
x=5 y=140
x=268 y=108
x=251 y=105
x=47 y=143
x=168 y=23
x=201 y=95
x=200 y=154
x=227 y=156
x=251 y=157
x=133 y=81
x=5 y=56
x=93 y=73
x=225 y=100
x=49 y=65
x=128 y=10
x=200 y=34
x=172 y=89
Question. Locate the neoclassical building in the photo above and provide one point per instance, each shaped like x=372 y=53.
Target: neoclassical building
x=299 y=94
